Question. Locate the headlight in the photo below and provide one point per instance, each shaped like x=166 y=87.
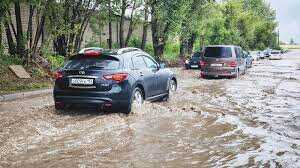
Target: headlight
x=187 y=61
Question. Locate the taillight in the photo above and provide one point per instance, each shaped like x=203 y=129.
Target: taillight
x=233 y=64
x=118 y=77
x=202 y=63
x=58 y=75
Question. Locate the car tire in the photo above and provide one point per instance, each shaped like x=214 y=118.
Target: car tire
x=59 y=106
x=237 y=74
x=136 y=92
x=172 y=87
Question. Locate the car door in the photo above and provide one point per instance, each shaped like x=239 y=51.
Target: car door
x=146 y=76
x=162 y=75
x=161 y=82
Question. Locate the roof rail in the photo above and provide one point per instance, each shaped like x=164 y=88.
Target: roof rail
x=128 y=49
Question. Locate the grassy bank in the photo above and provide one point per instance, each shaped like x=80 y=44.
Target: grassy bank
x=290 y=47
x=9 y=83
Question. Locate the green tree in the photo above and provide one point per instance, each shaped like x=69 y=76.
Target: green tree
x=166 y=19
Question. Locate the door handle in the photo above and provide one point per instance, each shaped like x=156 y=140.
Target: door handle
x=141 y=74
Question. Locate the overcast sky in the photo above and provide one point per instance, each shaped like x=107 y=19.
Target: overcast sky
x=288 y=15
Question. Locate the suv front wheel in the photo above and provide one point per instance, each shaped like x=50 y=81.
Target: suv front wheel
x=172 y=87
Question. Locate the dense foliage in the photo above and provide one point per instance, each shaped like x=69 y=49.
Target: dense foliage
x=248 y=23
x=178 y=26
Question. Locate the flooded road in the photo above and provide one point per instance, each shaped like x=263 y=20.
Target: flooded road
x=253 y=121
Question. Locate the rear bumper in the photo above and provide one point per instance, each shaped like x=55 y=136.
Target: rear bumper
x=192 y=66
x=219 y=72
x=92 y=98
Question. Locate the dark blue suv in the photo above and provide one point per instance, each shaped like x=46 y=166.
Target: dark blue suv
x=112 y=80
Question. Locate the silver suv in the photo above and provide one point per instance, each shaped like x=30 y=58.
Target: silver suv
x=222 y=61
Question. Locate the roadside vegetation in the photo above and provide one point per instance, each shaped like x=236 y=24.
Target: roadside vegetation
x=290 y=47
x=9 y=83
x=179 y=27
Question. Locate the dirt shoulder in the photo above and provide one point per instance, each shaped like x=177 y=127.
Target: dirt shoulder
x=10 y=83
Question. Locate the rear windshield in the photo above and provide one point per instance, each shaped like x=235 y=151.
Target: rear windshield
x=218 y=52
x=197 y=54
x=105 y=63
x=275 y=52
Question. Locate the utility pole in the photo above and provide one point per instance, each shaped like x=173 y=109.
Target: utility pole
x=278 y=38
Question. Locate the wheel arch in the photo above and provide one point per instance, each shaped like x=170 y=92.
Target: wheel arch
x=140 y=86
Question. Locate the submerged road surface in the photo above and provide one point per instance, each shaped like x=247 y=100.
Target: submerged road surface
x=253 y=121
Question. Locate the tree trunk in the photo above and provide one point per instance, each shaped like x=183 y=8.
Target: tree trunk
x=74 y=17
x=131 y=25
x=158 y=42
x=182 y=48
x=160 y=31
x=39 y=29
x=60 y=45
x=1 y=31
x=20 y=39
x=110 y=25
x=10 y=41
x=29 y=28
x=11 y=24
x=121 y=31
x=145 y=27
x=81 y=36
x=191 y=43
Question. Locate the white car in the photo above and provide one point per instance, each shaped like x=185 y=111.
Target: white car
x=275 y=55
x=255 y=55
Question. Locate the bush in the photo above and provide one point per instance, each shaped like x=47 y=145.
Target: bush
x=37 y=72
x=171 y=51
x=97 y=44
x=92 y=44
x=56 y=61
x=10 y=59
x=135 y=42
x=149 y=49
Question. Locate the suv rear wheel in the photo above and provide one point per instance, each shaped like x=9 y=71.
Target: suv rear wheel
x=59 y=106
x=136 y=101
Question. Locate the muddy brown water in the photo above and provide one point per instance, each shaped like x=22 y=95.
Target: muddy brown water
x=253 y=121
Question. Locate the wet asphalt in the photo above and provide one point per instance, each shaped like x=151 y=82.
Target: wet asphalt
x=252 y=121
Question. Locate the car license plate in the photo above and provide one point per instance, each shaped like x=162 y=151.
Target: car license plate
x=216 y=65
x=78 y=81
x=194 y=66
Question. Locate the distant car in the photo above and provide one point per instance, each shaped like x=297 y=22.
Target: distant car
x=275 y=55
x=261 y=55
x=112 y=80
x=194 y=61
x=248 y=58
x=255 y=55
x=267 y=52
x=222 y=61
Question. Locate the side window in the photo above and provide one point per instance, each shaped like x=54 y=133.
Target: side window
x=138 y=62
x=129 y=64
x=150 y=63
x=237 y=52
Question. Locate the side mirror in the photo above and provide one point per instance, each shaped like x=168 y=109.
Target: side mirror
x=162 y=65
x=154 y=67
